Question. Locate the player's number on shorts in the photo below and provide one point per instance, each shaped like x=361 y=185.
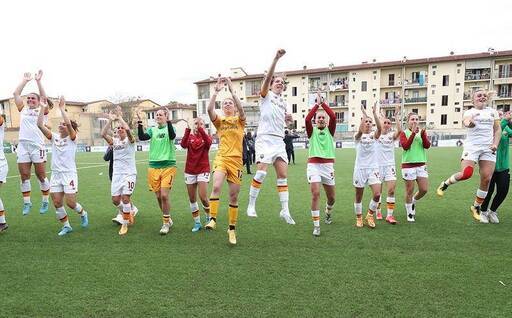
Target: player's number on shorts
x=72 y=183
x=131 y=185
x=41 y=153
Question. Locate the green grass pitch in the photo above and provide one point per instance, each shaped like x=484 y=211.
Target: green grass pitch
x=444 y=265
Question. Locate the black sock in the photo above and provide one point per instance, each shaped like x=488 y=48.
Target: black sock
x=231 y=227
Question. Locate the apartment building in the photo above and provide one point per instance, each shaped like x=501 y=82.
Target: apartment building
x=438 y=89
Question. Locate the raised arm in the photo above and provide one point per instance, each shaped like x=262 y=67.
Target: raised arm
x=170 y=128
x=105 y=131
x=40 y=123
x=125 y=125
x=309 y=117
x=184 y=139
x=211 y=105
x=266 y=82
x=38 y=77
x=140 y=129
x=238 y=103
x=332 y=118
x=27 y=77
x=378 y=123
x=398 y=122
x=62 y=107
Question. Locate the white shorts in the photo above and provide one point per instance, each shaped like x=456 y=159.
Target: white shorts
x=123 y=184
x=414 y=173
x=4 y=169
x=366 y=176
x=321 y=172
x=387 y=173
x=195 y=178
x=477 y=153
x=28 y=152
x=269 y=148
x=66 y=182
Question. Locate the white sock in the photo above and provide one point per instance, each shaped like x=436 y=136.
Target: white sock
x=194 y=208
x=358 y=208
x=62 y=216
x=390 y=202
x=316 y=217
x=329 y=207
x=25 y=189
x=372 y=207
x=79 y=209
x=127 y=209
x=282 y=188
x=408 y=208
x=2 y=212
x=45 y=187
x=257 y=181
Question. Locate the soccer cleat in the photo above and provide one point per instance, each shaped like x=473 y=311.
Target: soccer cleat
x=391 y=219
x=3 y=227
x=328 y=218
x=484 y=217
x=26 y=208
x=44 y=207
x=370 y=221
x=232 y=237
x=65 y=230
x=124 y=229
x=411 y=218
x=84 y=219
x=285 y=215
x=379 y=215
x=135 y=210
x=197 y=227
x=118 y=219
x=359 y=221
x=316 y=231
x=211 y=225
x=251 y=212
x=493 y=217
x=441 y=189
x=165 y=228
x=475 y=212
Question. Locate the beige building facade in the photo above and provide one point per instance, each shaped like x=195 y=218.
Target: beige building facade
x=438 y=89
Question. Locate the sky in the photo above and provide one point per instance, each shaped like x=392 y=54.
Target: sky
x=98 y=49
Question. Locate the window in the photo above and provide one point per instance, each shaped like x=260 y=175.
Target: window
x=217 y=105
x=446 y=80
x=203 y=91
x=294 y=124
x=194 y=113
x=456 y=103
x=174 y=114
x=444 y=100
x=457 y=109
x=252 y=88
x=458 y=72
x=151 y=115
x=363 y=103
x=444 y=119
x=457 y=90
x=433 y=72
x=432 y=110
x=364 y=86
x=203 y=107
x=434 y=66
x=415 y=110
x=294 y=108
x=391 y=79
x=353 y=79
x=455 y=122
x=433 y=92
x=294 y=91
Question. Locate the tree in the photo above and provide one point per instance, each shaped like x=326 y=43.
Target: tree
x=128 y=105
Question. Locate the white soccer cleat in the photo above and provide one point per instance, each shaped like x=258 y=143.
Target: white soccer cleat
x=135 y=210
x=411 y=218
x=484 y=217
x=493 y=217
x=316 y=231
x=251 y=212
x=165 y=228
x=118 y=219
x=285 y=215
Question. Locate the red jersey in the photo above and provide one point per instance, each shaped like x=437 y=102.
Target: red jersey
x=198 y=146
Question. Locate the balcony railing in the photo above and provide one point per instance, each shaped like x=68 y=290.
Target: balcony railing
x=505 y=95
x=389 y=101
x=339 y=104
x=415 y=82
x=505 y=74
x=416 y=100
x=475 y=77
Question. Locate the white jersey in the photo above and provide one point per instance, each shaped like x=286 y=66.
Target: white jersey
x=2 y=135
x=124 y=156
x=63 y=154
x=365 y=152
x=385 y=151
x=483 y=132
x=29 y=132
x=272 y=114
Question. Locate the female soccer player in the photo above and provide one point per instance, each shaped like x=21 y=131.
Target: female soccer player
x=414 y=163
x=124 y=171
x=501 y=176
x=366 y=169
x=31 y=148
x=197 y=169
x=162 y=161
x=386 y=158
x=484 y=133
x=270 y=147
x=320 y=170
x=228 y=162
x=4 y=169
x=64 y=180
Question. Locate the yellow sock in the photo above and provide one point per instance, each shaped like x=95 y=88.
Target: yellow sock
x=214 y=207
x=233 y=214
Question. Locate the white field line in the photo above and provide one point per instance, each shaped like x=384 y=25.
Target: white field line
x=88 y=167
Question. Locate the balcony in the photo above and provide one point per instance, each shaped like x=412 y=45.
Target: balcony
x=505 y=95
x=477 y=77
x=505 y=74
x=415 y=83
x=411 y=100
x=338 y=104
x=338 y=84
x=390 y=101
